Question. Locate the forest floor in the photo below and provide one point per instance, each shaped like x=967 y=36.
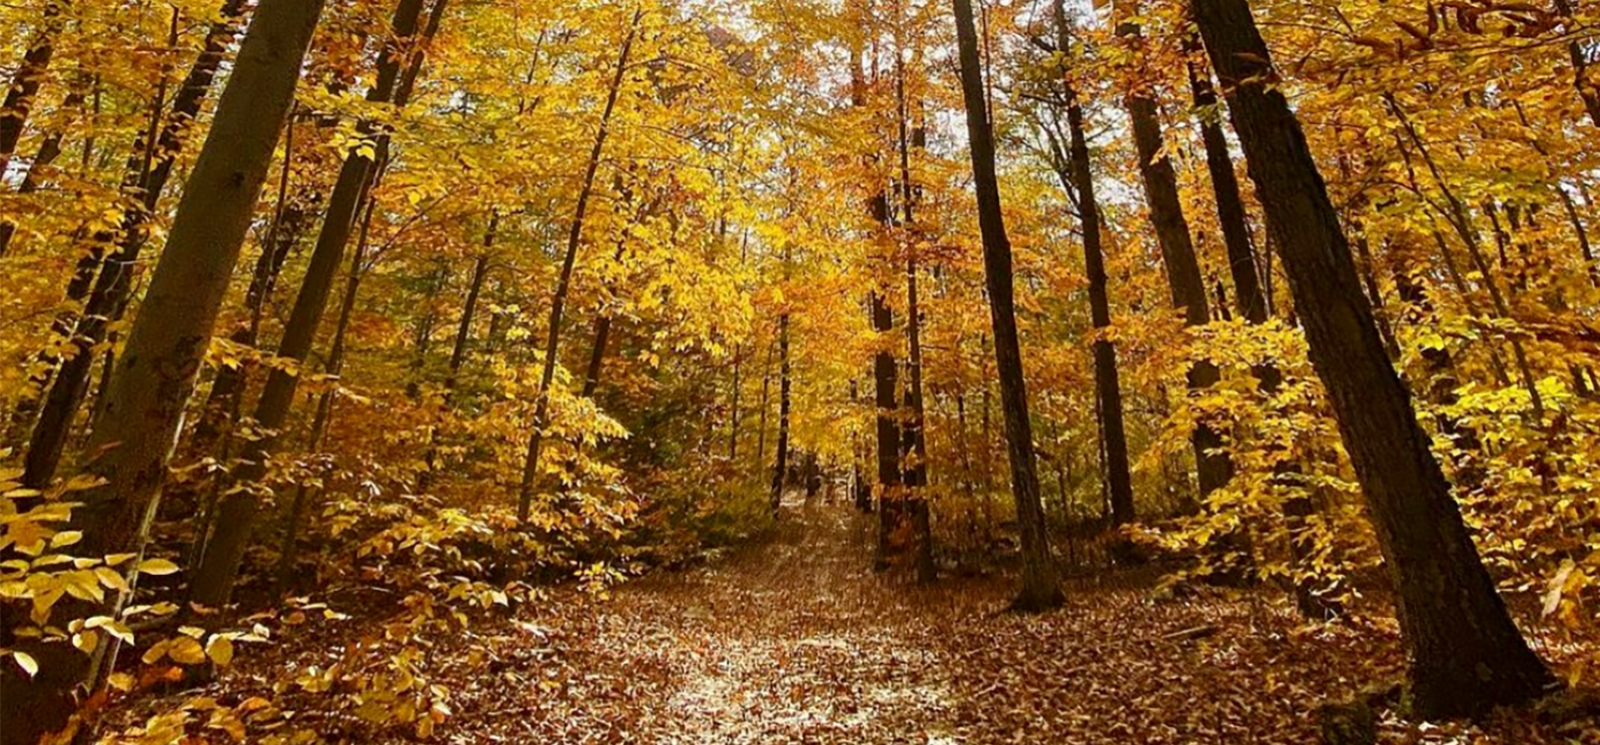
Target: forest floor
x=795 y=639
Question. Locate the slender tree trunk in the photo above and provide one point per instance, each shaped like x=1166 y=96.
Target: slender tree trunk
x=41 y=164
x=1184 y=279
x=541 y=409
x=223 y=402
x=212 y=583
x=1584 y=248
x=287 y=547
x=1038 y=588
x=780 y=467
x=167 y=341
x=1108 y=389
x=1588 y=89
x=25 y=83
x=885 y=387
x=916 y=443
x=1252 y=305
x=458 y=350
x=1462 y=222
x=761 y=426
x=733 y=414
x=1466 y=654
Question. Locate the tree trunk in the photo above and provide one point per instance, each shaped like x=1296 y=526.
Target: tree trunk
x=1251 y=302
x=212 y=584
x=166 y=342
x=1184 y=279
x=1038 y=589
x=25 y=83
x=916 y=443
x=1108 y=388
x=780 y=466
x=541 y=409
x=223 y=402
x=319 y=425
x=885 y=388
x=49 y=150
x=1466 y=654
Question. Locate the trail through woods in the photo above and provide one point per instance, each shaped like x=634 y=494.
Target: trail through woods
x=794 y=640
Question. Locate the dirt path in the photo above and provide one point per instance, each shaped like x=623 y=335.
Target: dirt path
x=797 y=641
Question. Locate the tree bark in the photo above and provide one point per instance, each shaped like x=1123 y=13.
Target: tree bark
x=1038 y=588
x=1466 y=654
x=166 y=342
x=287 y=551
x=213 y=580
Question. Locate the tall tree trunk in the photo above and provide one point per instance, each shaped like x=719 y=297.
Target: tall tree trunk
x=223 y=402
x=1588 y=89
x=780 y=467
x=1038 y=588
x=916 y=443
x=1184 y=279
x=1251 y=302
x=541 y=409
x=148 y=168
x=1461 y=220
x=885 y=391
x=1108 y=388
x=165 y=345
x=1466 y=654
x=213 y=580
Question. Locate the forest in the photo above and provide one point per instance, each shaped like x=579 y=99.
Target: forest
x=800 y=371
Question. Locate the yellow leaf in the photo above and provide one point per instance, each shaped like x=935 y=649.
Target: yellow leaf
x=220 y=650
x=157 y=567
x=187 y=651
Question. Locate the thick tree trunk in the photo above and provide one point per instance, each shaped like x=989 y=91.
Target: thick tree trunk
x=558 y=301
x=165 y=345
x=148 y=168
x=1039 y=589
x=212 y=583
x=1466 y=654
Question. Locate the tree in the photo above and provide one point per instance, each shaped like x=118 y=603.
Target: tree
x=1465 y=653
x=157 y=370
x=223 y=550
x=1039 y=589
